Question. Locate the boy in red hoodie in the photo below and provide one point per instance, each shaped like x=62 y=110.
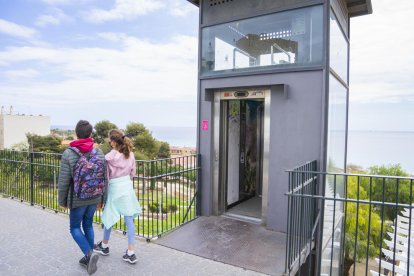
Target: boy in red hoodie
x=81 y=210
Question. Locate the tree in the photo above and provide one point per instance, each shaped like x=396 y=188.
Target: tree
x=145 y=145
x=164 y=150
x=47 y=143
x=356 y=232
x=385 y=189
x=102 y=129
x=105 y=147
x=134 y=129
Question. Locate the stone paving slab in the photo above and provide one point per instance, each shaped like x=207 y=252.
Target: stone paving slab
x=37 y=242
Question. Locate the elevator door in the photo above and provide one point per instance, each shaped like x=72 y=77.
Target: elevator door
x=243 y=144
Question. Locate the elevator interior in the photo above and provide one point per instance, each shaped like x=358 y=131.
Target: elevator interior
x=241 y=154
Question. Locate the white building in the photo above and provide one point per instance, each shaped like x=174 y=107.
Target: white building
x=13 y=128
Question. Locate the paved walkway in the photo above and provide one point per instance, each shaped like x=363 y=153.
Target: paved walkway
x=37 y=242
x=232 y=242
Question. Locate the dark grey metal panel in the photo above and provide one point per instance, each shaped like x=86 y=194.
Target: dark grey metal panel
x=355 y=7
x=206 y=150
x=295 y=132
x=217 y=11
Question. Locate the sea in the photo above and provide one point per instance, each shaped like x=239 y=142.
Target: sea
x=175 y=136
x=375 y=148
x=365 y=148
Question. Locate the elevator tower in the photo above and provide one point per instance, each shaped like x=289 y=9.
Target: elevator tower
x=272 y=94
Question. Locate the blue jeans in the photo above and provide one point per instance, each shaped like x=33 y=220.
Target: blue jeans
x=129 y=222
x=82 y=215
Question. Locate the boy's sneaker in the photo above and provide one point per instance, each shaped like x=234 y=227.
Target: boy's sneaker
x=97 y=248
x=131 y=259
x=84 y=261
x=89 y=262
x=93 y=259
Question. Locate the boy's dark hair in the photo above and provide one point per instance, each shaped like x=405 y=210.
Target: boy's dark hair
x=83 y=129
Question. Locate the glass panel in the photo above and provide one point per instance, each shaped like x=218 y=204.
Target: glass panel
x=338 y=53
x=335 y=184
x=288 y=39
x=336 y=125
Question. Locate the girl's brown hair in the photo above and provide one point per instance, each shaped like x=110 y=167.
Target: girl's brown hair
x=123 y=143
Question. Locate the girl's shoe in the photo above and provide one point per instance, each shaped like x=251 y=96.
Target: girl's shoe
x=99 y=249
x=131 y=259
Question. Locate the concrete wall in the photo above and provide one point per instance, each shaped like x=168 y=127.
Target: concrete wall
x=13 y=128
x=1 y=132
x=296 y=134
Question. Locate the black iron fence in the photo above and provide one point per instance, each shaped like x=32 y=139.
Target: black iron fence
x=166 y=188
x=355 y=224
x=302 y=216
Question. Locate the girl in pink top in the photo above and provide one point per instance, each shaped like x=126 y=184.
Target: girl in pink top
x=118 y=165
x=121 y=199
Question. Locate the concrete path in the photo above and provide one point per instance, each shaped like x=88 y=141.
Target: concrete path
x=37 y=242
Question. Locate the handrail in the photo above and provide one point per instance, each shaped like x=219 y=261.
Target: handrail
x=242 y=52
x=315 y=225
x=280 y=49
x=351 y=174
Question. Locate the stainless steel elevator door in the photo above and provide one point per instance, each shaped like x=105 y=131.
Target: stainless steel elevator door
x=242 y=147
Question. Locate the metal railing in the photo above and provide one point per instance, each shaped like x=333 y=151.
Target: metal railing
x=252 y=59
x=275 y=45
x=166 y=188
x=30 y=177
x=301 y=232
x=364 y=224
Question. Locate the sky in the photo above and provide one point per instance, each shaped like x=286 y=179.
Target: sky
x=119 y=60
x=136 y=61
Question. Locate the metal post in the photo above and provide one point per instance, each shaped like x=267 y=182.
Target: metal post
x=31 y=178
x=152 y=174
x=318 y=265
x=198 y=186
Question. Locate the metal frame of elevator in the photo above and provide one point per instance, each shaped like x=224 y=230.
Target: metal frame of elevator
x=220 y=160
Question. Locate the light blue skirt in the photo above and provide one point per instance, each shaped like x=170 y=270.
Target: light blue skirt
x=121 y=200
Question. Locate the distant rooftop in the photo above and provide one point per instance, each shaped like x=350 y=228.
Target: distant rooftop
x=355 y=7
x=10 y=112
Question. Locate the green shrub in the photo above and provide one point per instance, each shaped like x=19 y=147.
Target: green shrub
x=172 y=208
x=154 y=207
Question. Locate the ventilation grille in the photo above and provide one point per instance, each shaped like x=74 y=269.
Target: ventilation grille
x=219 y=2
x=280 y=34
